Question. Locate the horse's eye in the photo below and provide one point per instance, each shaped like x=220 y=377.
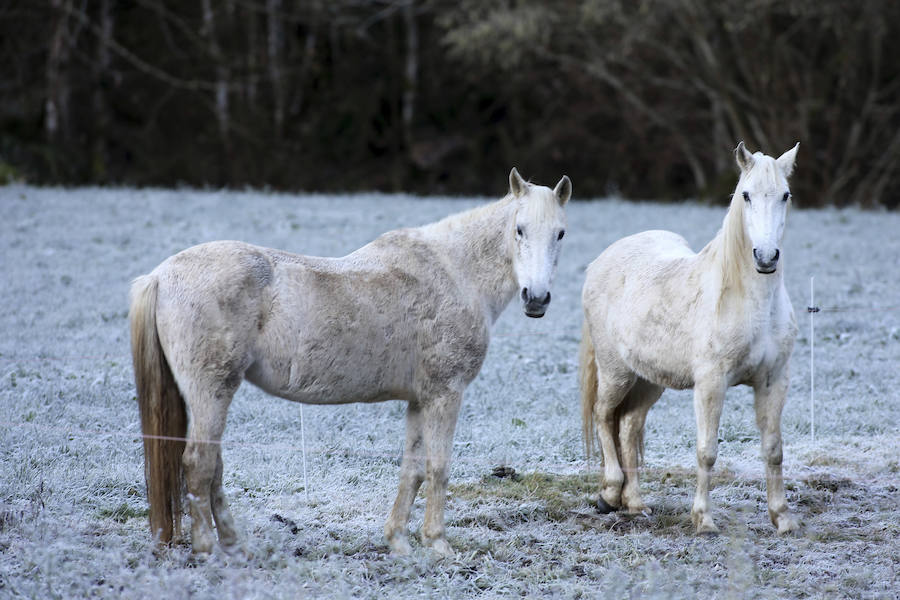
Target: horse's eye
x=747 y=196
x=519 y=230
x=787 y=196
x=562 y=232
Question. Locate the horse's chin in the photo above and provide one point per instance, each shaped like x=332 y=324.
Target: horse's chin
x=534 y=315
x=769 y=272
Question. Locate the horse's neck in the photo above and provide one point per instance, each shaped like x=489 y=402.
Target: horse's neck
x=478 y=244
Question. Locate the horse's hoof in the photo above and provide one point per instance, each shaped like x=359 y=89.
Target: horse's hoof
x=641 y=509
x=786 y=525
x=604 y=507
x=704 y=524
x=399 y=545
x=707 y=528
x=197 y=559
x=236 y=550
x=442 y=548
x=202 y=551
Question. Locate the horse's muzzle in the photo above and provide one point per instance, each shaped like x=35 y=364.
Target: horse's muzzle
x=535 y=307
x=766 y=265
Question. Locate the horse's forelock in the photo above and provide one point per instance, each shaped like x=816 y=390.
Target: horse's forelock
x=765 y=174
x=541 y=204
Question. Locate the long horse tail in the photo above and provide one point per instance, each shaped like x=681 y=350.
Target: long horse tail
x=163 y=414
x=587 y=378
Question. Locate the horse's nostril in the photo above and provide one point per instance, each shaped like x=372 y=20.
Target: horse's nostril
x=777 y=253
x=525 y=294
x=756 y=254
x=546 y=300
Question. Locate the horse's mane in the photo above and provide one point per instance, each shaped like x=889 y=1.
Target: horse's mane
x=473 y=215
x=733 y=244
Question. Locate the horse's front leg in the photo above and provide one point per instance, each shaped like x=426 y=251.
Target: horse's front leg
x=769 y=398
x=412 y=473
x=709 y=396
x=440 y=415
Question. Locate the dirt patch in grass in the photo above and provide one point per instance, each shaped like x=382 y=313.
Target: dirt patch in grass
x=556 y=496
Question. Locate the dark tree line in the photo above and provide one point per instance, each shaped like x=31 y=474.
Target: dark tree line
x=643 y=98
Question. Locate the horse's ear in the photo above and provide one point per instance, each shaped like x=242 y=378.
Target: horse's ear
x=785 y=162
x=516 y=183
x=743 y=157
x=563 y=190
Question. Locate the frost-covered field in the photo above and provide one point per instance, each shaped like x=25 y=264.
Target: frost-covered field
x=72 y=507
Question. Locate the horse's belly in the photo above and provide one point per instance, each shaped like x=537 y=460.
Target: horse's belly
x=334 y=374
x=652 y=343
x=662 y=369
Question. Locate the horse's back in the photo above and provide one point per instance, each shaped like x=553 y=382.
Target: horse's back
x=645 y=248
x=363 y=327
x=638 y=262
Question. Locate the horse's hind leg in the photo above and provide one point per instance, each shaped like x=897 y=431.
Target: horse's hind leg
x=412 y=473
x=202 y=466
x=632 y=416
x=611 y=391
x=769 y=402
x=220 y=511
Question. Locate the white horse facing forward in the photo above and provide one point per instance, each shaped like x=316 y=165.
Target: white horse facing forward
x=405 y=317
x=657 y=315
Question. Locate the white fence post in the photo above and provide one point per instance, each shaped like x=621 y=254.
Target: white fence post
x=303 y=443
x=812 y=309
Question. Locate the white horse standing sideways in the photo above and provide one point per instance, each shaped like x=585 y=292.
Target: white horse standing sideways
x=658 y=315
x=405 y=317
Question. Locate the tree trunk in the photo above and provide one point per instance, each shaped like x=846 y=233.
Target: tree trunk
x=56 y=102
x=252 y=62
x=411 y=73
x=275 y=52
x=221 y=100
x=99 y=100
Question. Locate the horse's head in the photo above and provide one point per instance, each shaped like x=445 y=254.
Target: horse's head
x=540 y=224
x=764 y=188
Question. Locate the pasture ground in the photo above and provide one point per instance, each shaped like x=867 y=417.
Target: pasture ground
x=72 y=506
